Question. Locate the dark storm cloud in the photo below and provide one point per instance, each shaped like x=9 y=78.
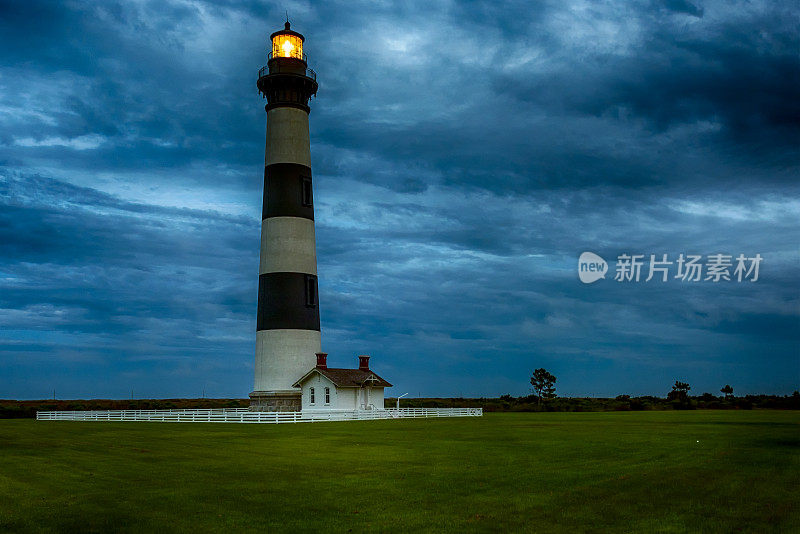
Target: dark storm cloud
x=464 y=155
x=76 y=262
x=742 y=73
x=564 y=99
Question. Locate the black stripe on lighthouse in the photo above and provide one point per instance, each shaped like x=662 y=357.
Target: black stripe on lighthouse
x=288 y=300
x=288 y=191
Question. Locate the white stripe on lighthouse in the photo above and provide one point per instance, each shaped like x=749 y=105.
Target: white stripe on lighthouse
x=288 y=245
x=284 y=356
x=287 y=136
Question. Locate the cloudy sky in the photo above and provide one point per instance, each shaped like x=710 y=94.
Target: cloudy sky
x=464 y=155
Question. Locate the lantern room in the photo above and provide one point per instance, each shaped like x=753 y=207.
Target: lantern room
x=287 y=43
x=286 y=80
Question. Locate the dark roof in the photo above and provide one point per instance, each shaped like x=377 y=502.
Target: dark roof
x=287 y=31
x=348 y=378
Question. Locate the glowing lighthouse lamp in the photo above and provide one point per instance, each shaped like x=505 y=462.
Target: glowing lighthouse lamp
x=287 y=43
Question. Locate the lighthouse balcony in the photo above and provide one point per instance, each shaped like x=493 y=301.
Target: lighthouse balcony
x=287 y=82
x=287 y=67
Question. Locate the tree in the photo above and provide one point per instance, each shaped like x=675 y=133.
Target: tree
x=680 y=391
x=728 y=391
x=544 y=384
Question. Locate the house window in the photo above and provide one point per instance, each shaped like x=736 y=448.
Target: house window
x=327 y=395
x=311 y=395
x=311 y=290
x=306 y=194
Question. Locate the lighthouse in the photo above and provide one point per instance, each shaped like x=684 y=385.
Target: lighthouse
x=288 y=327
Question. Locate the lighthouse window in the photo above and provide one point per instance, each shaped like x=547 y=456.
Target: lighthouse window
x=306 y=193
x=311 y=290
x=311 y=395
x=327 y=395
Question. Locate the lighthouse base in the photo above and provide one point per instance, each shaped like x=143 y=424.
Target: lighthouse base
x=275 y=401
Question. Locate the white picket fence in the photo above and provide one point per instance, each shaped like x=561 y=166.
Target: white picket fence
x=243 y=415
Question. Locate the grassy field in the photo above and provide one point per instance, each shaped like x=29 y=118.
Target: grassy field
x=699 y=471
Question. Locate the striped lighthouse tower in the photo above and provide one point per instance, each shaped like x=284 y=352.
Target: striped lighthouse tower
x=288 y=334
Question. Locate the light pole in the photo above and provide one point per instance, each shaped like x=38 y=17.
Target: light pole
x=398 y=400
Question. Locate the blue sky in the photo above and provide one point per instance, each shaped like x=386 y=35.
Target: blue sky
x=464 y=155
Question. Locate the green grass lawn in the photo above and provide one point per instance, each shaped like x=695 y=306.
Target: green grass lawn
x=699 y=471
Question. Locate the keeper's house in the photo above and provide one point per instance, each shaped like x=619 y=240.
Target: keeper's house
x=325 y=388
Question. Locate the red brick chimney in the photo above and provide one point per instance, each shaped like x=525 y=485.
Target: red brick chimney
x=363 y=362
x=322 y=360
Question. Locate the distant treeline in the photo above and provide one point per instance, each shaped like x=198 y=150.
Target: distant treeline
x=28 y=408
x=505 y=403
